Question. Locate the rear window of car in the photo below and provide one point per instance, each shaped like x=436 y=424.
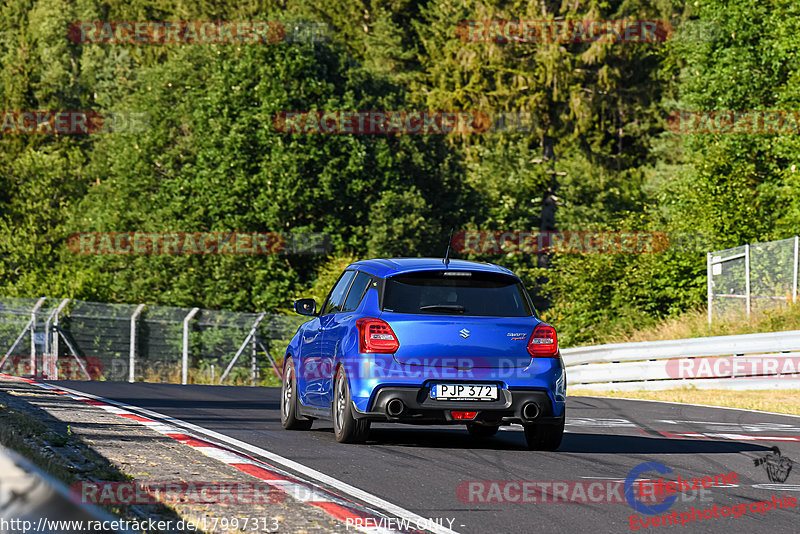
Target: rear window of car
x=456 y=293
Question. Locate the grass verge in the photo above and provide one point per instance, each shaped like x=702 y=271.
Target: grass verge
x=695 y=324
x=772 y=400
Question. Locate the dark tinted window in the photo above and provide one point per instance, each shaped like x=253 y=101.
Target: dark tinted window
x=336 y=298
x=360 y=284
x=456 y=293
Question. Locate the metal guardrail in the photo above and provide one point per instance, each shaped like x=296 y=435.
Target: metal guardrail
x=748 y=361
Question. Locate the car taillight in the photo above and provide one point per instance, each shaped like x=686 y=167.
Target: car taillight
x=463 y=415
x=543 y=342
x=375 y=335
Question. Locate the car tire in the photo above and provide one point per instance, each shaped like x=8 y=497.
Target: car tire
x=482 y=431
x=346 y=428
x=290 y=415
x=544 y=436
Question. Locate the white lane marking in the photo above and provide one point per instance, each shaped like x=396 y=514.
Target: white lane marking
x=520 y=429
x=778 y=487
x=590 y=421
x=762 y=412
x=161 y=428
x=746 y=427
x=744 y=437
x=343 y=487
x=227 y=457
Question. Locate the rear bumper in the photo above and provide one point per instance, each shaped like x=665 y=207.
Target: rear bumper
x=370 y=374
x=420 y=408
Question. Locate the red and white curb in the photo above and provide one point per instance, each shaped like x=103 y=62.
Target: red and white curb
x=354 y=515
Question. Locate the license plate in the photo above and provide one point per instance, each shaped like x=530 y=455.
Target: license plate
x=464 y=392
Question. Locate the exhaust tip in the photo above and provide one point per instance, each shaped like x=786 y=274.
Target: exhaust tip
x=530 y=411
x=395 y=407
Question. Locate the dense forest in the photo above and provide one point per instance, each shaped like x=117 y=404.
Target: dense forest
x=598 y=155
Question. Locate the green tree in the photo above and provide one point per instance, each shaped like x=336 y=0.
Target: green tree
x=212 y=161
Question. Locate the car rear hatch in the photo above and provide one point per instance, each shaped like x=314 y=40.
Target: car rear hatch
x=463 y=343
x=459 y=319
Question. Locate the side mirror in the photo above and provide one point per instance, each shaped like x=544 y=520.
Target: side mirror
x=305 y=306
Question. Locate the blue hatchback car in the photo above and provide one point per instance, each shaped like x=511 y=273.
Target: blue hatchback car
x=425 y=341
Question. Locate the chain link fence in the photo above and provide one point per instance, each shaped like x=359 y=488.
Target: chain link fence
x=752 y=278
x=71 y=339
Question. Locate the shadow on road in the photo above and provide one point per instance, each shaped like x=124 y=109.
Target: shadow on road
x=580 y=443
x=617 y=444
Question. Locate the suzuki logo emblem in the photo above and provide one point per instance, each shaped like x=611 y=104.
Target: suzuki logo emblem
x=464 y=333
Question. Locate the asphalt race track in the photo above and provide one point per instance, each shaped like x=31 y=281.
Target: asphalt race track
x=428 y=470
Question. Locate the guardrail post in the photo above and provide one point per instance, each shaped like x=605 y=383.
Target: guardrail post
x=708 y=282
x=747 y=276
x=16 y=342
x=74 y=352
x=794 y=275
x=239 y=352
x=34 y=370
x=253 y=361
x=47 y=335
x=278 y=372
x=185 y=361
x=132 y=351
x=51 y=346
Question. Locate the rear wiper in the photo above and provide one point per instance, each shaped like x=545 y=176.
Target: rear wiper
x=443 y=307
